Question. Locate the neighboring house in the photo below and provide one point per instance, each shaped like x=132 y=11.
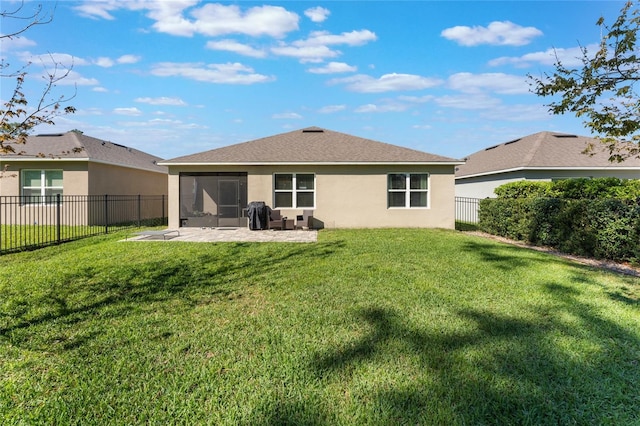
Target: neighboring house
x=75 y=164
x=346 y=181
x=545 y=156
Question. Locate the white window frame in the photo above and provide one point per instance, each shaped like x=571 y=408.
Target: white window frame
x=42 y=187
x=408 y=191
x=294 y=191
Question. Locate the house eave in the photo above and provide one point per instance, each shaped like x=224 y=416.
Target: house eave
x=519 y=169
x=317 y=163
x=22 y=159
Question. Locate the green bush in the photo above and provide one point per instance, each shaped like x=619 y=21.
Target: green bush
x=605 y=229
x=523 y=189
x=572 y=189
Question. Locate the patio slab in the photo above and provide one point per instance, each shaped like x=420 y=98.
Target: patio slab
x=213 y=235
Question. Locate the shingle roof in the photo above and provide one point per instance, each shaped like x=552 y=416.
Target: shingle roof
x=79 y=147
x=540 y=151
x=312 y=145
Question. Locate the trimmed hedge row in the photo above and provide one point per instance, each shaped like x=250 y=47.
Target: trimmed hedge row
x=603 y=229
x=575 y=189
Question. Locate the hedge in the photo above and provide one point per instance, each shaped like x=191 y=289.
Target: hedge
x=604 y=229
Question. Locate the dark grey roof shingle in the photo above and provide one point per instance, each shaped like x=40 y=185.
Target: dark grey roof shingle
x=540 y=150
x=75 y=145
x=311 y=145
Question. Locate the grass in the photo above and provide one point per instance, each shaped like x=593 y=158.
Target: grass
x=15 y=238
x=363 y=327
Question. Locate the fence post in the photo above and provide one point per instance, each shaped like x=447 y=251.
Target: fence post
x=163 y=211
x=58 y=216
x=139 y=211
x=106 y=213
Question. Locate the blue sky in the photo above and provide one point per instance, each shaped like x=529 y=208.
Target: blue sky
x=178 y=77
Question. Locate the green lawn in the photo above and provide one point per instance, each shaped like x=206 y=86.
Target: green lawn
x=363 y=327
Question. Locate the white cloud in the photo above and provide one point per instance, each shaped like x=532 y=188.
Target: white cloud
x=317 y=14
x=162 y=101
x=49 y=60
x=127 y=111
x=305 y=53
x=99 y=89
x=73 y=78
x=500 y=33
x=97 y=9
x=229 y=73
x=381 y=108
x=570 y=57
x=287 y=115
x=386 y=83
x=329 y=109
x=316 y=47
x=516 y=113
x=333 y=68
x=505 y=84
x=236 y=47
x=16 y=42
x=416 y=99
x=212 y=19
x=128 y=59
x=353 y=38
x=422 y=126
x=468 y=102
x=104 y=62
x=217 y=19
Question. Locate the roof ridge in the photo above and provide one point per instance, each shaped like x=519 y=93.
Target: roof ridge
x=539 y=138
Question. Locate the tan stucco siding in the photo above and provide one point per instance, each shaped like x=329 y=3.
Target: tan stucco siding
x=74 y=176
x=345 y=196
x=116 y=180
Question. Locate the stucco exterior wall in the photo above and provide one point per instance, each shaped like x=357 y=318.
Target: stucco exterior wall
x=116 y=180
x=483 y=186
x=74 y=176
x=346 y=196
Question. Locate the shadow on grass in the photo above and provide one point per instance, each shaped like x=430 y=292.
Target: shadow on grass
x=115 y=289
x=499 y=369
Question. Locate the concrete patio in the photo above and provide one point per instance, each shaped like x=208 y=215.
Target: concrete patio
x=214 y=235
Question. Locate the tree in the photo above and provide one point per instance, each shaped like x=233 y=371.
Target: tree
x=17 y=119
x=603 y=90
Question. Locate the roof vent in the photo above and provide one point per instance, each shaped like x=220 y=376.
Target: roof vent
x=50 y=135
x=491 y=147
x=510 y=142
x=313 y=130
x=565 y=136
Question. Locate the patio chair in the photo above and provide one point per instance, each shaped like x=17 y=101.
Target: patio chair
x=276 y=221
x=305 y=220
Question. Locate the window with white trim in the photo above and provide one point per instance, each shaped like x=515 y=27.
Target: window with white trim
x=39 y=185
x=294 y=190
x=407 y=190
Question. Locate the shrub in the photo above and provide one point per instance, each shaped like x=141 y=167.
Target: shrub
x=604 y=229
x=523 y=189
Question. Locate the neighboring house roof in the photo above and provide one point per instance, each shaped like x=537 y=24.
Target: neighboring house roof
x=312 y=145
x=75 y=146
x=541 y=151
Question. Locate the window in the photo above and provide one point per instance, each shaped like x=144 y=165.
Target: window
x=37 y=185
x=294 y=190
x=407 y=190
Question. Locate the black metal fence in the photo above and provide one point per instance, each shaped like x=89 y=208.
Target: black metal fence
x=467 y=209
x=28 y=222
